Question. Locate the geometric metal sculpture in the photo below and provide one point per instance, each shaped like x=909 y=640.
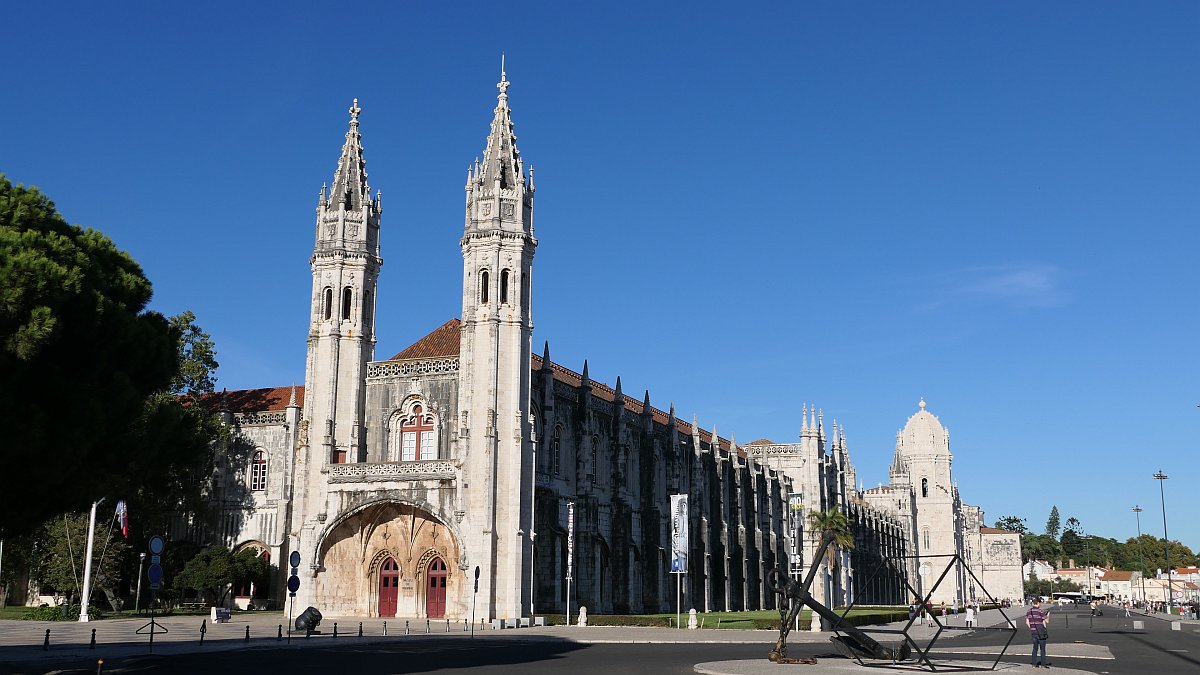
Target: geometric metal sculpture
x=911 y=647
x=796 y=595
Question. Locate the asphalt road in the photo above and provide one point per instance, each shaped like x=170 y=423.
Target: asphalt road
x=1157 y=649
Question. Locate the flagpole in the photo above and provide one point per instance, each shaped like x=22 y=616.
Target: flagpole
x=87 y=565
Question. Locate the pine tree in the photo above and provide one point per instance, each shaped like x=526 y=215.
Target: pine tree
x=1052 y=523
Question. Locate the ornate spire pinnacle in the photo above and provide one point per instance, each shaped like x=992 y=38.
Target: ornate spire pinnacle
x=546 y=356
x=350 y=187
x=803 y=418
x=501 y=158
x=292 y=398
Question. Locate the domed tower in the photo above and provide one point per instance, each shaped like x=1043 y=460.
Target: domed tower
x=923 y=462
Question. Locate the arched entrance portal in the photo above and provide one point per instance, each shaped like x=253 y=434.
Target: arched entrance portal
x=389 y=586
x=435 y=597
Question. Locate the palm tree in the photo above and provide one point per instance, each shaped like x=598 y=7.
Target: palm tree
x=836 y=526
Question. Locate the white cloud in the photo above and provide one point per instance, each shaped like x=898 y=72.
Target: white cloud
x=1018 y=284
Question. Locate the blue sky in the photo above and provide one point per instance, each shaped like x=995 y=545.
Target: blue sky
x=742 y=209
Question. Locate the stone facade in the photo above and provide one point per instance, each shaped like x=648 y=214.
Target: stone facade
x=398 y=480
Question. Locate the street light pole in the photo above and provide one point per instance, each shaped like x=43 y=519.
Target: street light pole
x=137 y=599
x=1160 y=477
x=1137 y=511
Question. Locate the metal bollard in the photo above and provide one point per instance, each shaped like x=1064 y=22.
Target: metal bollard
x=465 y=626
x=203 y=630
x=279 y=637
x=385 y=629
x=426 y=625
x=334 y=630
x=46 y=642
x=247 y=634
x=92 y=645
x=359 y=629
x=406 y=627
x=447 y=625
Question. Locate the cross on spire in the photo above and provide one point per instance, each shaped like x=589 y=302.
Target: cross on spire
x=354 y=111
x=502 y=85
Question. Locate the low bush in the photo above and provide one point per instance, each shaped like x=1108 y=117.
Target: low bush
x=70 y=613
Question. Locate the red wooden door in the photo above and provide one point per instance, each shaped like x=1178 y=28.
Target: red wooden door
x=435 y=598
x=389 y=585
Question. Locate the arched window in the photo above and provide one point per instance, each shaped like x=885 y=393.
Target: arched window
x=504 y=287
x=347 y=295
x=417 y=432
x=595 y=459
x=258 y=471
x=924 y=487
x=925 y=538
x=367 y=310
x=327 y=309
x=556 y=450
x=483 y=287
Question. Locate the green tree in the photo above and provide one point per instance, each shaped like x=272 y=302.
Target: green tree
x=1045 y=587
x=1052 y=523
x=213 y=571
x=59 y=549
x=1041 y=547
x=832 y=522
x=80 y=355
x=1012 y=524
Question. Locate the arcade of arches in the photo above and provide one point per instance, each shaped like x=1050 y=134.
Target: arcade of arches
x=390 y=559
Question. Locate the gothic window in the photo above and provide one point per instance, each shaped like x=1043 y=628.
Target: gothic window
x=504 y=287
x=483 y=287
x=258 y=471
x=327 y=309
x=924 y=487
x=595 y=460
x=417 y=433
x=556 y=450
x=925 y=539
x=347 y=295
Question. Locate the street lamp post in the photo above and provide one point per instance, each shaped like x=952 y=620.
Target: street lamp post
x=1137 y=511
x=1160 y=477
x=137 y=599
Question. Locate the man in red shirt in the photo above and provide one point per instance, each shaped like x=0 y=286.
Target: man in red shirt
x=1038 y=621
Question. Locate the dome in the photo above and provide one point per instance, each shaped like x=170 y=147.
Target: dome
x=923 y=435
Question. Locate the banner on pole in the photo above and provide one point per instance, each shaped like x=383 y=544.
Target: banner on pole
x=679 y=533
x=570 y=538
x=796 y=514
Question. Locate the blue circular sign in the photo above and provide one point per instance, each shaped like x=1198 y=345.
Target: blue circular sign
x=157 y=544
x=293 y=583
x=154 y=574
x=295 y=559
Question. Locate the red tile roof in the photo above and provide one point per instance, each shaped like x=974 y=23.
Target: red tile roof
x=442 y=342
x=762 y=441
x=253 y=400
x=1117 y=575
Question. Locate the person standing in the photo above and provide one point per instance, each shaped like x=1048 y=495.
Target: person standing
x=970 y=617
x=1038 y=621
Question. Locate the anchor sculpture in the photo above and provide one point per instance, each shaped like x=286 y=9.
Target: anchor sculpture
x=796 y=595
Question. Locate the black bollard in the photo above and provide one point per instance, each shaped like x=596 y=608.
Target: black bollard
x=406 y=627
x=447 y=625
x=335 y=630
x=46 y=642
x=279 y=637
x=385 y=629
x=203 y=630
x=359 y=629
x=426 y=625
x=247 y=634
x=92 y=645
x=465 y=626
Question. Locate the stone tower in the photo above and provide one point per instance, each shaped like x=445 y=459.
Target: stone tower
x=341 y=331
x=494 y=394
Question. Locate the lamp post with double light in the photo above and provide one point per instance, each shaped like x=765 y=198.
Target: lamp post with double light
x=1137 y=511
x=1160 y=477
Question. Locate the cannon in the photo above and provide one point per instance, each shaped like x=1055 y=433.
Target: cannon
x=308 y=620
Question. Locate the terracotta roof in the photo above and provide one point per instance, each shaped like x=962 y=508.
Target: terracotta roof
x=1117 y=575
x=1187 y=570
x=443 y=341
x=995 y=530
x=253 y=400
x=762 y=441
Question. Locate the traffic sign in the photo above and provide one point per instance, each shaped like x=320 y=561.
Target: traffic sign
x=154 y=574
x=294 y=559
x=157 y=544
x=293 y=584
